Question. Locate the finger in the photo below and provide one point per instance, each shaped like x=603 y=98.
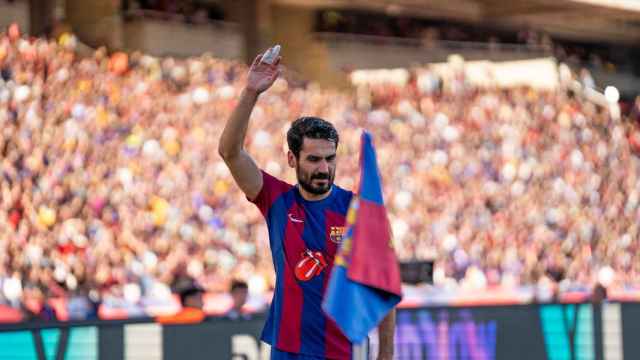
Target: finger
x=276 y=74
x=273 y=76
x=256 y=61
x=277 y=62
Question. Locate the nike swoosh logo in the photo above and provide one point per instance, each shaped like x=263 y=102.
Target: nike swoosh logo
x=294 y=219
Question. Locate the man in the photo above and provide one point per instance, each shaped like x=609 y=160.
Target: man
x=190 y=294
x=239 y=292
x=305 y=224
x=39 y=308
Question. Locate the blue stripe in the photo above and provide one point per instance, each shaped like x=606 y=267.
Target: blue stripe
x=313 y=320
x=343 y=199
x=276 y=223
x=371 y=184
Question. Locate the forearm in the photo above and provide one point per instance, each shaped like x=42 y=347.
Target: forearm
x=235 y=130
x=386 y=331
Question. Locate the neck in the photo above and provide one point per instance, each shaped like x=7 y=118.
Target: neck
x=314 y=197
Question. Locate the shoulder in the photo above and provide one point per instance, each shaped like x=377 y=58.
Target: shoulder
x=272 y=189
x=343 y=197
x=344 y=193
x=271 y=182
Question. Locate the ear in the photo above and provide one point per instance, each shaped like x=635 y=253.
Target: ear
x=291 y=159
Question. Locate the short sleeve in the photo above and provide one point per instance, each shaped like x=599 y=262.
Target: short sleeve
x=272 y=189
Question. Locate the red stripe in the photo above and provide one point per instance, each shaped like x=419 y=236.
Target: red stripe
x=271 y=190
x=373 y=260
x=291 y=313
x=337 y=346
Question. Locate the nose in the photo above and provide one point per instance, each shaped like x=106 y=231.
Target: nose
x=323 y=167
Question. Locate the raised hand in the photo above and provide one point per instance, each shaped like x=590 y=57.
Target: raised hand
x=262 y=75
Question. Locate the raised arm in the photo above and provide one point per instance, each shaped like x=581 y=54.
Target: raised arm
x=231 y=146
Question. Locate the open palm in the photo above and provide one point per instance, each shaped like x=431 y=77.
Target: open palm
x=262 y=75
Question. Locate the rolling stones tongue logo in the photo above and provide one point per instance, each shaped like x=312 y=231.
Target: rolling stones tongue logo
x=310 y=266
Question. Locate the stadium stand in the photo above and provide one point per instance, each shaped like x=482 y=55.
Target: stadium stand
x=112 y=191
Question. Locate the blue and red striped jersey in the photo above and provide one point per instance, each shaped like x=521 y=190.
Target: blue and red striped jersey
x=304 y=237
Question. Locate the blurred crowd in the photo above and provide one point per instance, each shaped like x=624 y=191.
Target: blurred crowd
x=516 y=188
x=112 y=191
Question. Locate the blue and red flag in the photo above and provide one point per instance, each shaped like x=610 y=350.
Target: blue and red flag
x=365 y=282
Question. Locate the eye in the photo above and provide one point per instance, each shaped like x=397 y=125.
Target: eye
x=312 y=158
x=331 y=158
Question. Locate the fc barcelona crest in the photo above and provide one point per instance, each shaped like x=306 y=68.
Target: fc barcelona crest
x=336 y=234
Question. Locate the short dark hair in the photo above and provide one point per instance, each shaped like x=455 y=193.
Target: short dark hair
x=238 y=284
x=189 y=290
x=312 y=128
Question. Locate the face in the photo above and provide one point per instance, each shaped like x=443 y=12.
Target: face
x=194 y=301
x=239 y=297
x=315 y=166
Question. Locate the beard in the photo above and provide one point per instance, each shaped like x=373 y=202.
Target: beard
x=306 y=181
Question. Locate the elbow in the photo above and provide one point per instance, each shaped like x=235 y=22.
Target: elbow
x=222 y=151
x=226 y=153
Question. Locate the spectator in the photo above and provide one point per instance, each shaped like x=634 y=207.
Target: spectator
x=37 y=308
x=239 y=292
x=191 y=301
x=83 y=305
x=587 y=79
